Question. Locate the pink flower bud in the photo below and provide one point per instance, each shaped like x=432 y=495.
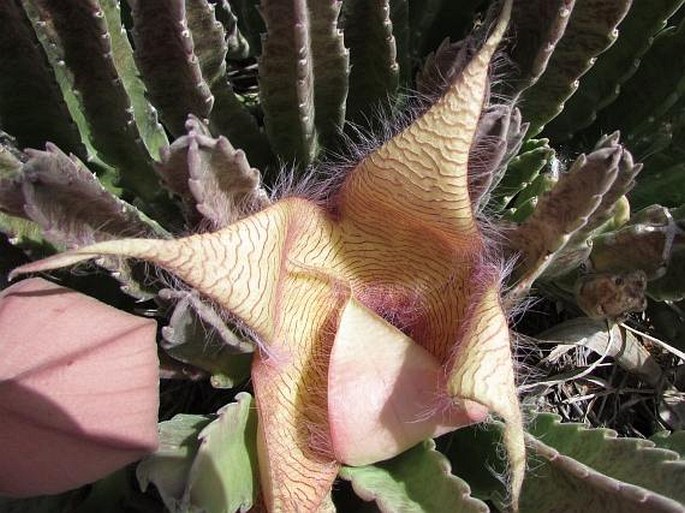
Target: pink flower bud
x=78 y=389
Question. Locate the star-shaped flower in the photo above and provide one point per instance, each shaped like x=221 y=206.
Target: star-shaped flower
x=378 y=310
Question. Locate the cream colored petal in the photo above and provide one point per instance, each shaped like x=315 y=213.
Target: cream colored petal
x=385 y=392
x=421 y=174
x=482 y=371
x=238 y=267
x=288 y=270
x=296 y=464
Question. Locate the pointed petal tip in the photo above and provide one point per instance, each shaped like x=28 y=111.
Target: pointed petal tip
x=48 y=264
x=135 y=248
x=483 y=371
x=514 y=442
x=503 y=20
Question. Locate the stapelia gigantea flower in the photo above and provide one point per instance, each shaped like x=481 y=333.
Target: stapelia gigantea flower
x=78 y=389
x=378 y=312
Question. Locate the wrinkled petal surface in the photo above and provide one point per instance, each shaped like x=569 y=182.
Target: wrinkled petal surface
x=399 y=240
